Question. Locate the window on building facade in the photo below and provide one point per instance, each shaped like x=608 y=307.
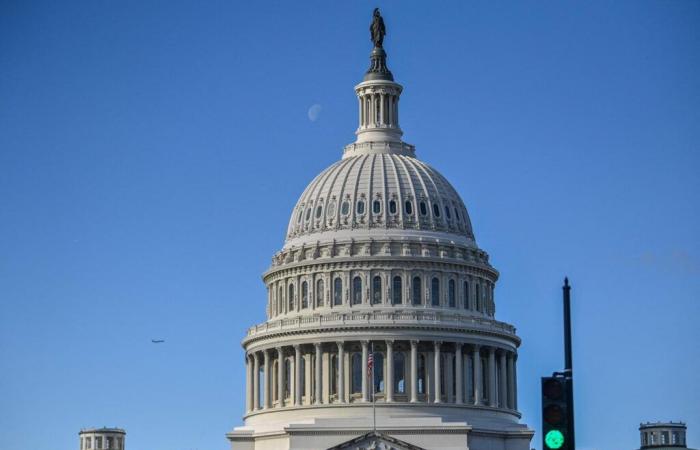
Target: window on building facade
x=421 y=374
x=88 y=442
x=98 y=442
x=676 y=438
x=423 y=209
x=451 y=293
x=378 y=368
x=304 y=295
x=408 y=207
x=333 y=381
x=360 y=207
x=436 y=210
x=417 y=291
x=356 y=291
x=399 y=373
x=319 y=210
x=110 y=442
x=356 y=380
x=435 y=292
x=447 y=212
x=319 y=292
x=302 y=376
x=376 y=290
x=376 y=207
x=477 y=297
x=287 y=378
x=664 y=437
x=397 y=291
x=392 y=207
x=338 y=291
x=291 y=298
x=345 y=208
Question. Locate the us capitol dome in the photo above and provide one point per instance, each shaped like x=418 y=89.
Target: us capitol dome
x=381 y=328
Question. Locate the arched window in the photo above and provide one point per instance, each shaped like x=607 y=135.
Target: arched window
x=465 y=294
x=397 y=291
x=345 y=208
x=477 y=299
x=436 y=210
x=287 y=378
x=408 y=207
x=399 y=373
x=356 y=291
x=308 y=214
x=417 y=291
x=338 y=291
x=447 y=212
x=378 y=369
x=423 y=209
x=451 y=294
x=291 y=297
x=456 y=213
x=319 y=210
x=376 y=207
x=376 y=290
x=360 y=207
x=319 y=292
x=435 y=291
x=421 y=374
x=304 y=295
x=392 y=207
x=356 y=380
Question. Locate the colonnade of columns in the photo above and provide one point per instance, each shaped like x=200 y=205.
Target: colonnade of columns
x=403 y=371
x=378 y=110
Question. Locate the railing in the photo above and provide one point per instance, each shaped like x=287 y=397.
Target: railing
x=379 y=318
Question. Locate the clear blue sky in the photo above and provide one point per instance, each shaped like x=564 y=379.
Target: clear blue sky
x=151 y=153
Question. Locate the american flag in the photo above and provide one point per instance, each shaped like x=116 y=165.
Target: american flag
x=370 y=364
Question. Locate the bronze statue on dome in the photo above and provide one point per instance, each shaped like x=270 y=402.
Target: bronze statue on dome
x=377 y=29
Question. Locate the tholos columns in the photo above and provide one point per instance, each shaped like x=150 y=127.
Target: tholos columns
x=317 y=375
x=280 y=376
x=476 y=355
x=297 y=375
x=267 y=400
x=364 y=370
x=414 y=371
x=256 y=382
x=492 y=377
x=341 y=373
x=438 y=376
x=503 y=396
x=389 y=382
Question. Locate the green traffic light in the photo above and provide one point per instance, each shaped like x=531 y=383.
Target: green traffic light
x=554 y=439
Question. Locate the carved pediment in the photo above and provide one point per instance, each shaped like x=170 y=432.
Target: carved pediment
x=375 y=441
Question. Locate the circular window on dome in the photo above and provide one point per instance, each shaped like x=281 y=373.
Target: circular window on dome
x=376 y=207
x=319 y=210
x=345 y=208
x=330 y=209
x=436 y=210
x=408 y=207
x=392 y=207
x=423 y=209
x=360 y=207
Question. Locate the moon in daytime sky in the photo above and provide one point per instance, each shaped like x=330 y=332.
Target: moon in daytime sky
x=314 y=112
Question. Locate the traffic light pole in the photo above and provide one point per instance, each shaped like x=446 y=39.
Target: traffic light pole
x=568 y=366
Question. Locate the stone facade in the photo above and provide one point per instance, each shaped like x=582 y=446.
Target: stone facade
x=380 y=263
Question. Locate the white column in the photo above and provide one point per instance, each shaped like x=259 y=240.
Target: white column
x=515 y=381
x=280 y=376
x=476 y=355
x=389 y=382
x=459 y=379
x=511 y=383
x=365 y=375
x=248 y=384
x=438 y=390
x=414 y=371
x=492 y=377
x=503 y=394
x=317 y=375
x=297 y=375
x=256 y=381
x=341 y=373
x=359 y=103
x=381 y=109
x=267 y=398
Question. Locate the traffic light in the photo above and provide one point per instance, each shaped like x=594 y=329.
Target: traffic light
x=555 y=409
